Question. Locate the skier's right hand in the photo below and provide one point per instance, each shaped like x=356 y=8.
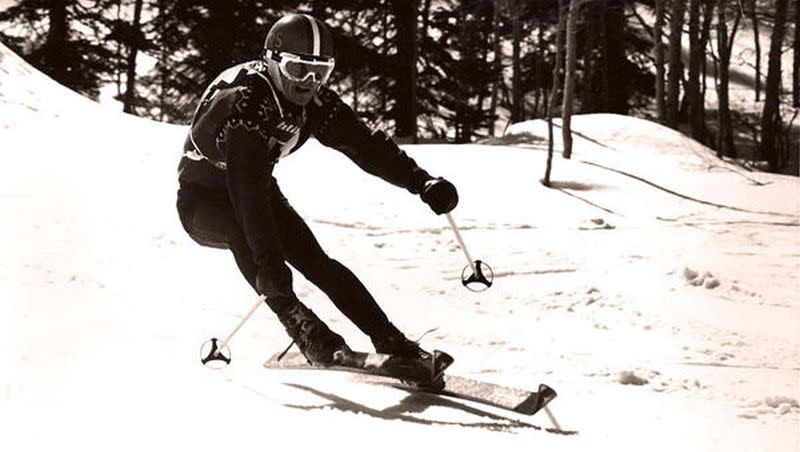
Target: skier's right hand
x=274 y=279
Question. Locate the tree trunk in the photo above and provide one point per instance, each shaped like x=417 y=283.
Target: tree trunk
x=796 y=64
x=129 y=103
x=724 y=133
x=695 y=65
x=386 y=50
x=705 y=35
x=757 y=44
x=426 y=20
x=770 y=118
x=55 y=46
x=557 y=67
x=614 y=62
x=497 y=65
x=659 y=57
x=592 y=53
x=569 y=76
x=354 y=71
x=541 y=45
x=517 y=107
x=675 y=67
x=219 y=43
x=406 y=97
x=118 y=53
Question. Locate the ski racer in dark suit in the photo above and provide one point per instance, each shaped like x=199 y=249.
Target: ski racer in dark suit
x=250 y=117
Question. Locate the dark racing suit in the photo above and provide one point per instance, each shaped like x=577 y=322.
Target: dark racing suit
x=228 y=197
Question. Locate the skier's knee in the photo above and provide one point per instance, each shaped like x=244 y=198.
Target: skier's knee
x=203 y=223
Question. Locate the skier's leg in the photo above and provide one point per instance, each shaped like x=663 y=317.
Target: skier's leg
x=302 y=250
x=208 y=218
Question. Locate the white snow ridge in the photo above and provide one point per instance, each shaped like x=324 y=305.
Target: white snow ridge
x=654 y=287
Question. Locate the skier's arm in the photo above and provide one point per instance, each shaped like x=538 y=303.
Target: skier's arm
x=246 y=140
x=373 y=151
x=248 y=178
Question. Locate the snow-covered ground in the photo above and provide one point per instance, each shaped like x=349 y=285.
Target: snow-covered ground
x=665 y=323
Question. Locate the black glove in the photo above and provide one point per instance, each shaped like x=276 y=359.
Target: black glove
x=440 y=195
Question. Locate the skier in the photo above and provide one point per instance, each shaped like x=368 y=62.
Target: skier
x=252 y=115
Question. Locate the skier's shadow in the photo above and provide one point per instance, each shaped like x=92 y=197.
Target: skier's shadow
x=415 y=403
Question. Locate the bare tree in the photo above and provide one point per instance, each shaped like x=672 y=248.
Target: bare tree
x=569 y=76
x=557 y=68
x=770 y=118
x=675 y=67
x=659 y=57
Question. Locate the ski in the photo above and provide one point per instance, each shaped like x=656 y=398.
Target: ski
x=376 y=364
x=512 y=399
x=507 y=398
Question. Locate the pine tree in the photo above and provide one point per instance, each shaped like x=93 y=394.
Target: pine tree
x=64 y=39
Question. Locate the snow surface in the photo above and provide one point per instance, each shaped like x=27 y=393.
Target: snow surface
x=664 y=323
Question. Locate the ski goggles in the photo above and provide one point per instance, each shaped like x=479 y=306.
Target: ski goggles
x=300 y=68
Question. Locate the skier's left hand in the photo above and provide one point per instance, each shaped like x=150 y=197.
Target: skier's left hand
x=440 y=195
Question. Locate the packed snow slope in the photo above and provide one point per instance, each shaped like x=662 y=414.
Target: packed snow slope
x=654 y=287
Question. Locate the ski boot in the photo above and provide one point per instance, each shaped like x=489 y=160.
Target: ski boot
x=316 y=341
x=397 y=344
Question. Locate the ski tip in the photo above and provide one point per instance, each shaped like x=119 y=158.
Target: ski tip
x=547 y=393
x=536 y=401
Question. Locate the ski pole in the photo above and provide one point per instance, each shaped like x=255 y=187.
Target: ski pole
x=260 y=300
x=461 y=242
x=482 y=275
x=216 y=353
x=552 y=418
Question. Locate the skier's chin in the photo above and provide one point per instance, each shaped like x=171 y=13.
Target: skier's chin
x=301 y=94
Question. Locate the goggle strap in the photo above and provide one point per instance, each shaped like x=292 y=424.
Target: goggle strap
x=276 y=56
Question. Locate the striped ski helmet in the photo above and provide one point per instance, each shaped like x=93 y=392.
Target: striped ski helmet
x=299 y=50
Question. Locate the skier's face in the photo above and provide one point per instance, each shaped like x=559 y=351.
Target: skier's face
x=299 y=76
x=299 y=93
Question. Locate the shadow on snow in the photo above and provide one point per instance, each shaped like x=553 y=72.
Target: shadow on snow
x=416 y=403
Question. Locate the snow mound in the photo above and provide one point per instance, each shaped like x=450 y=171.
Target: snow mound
x=775 y=405
x=664 y=159
x=28 y=94
x=615 y=132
